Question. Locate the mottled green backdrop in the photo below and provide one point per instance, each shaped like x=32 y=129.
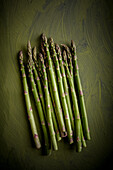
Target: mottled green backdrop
x=89 y=23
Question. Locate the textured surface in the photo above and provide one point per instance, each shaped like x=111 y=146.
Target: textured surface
x=89 y=23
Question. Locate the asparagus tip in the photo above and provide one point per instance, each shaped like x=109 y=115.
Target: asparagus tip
x=66 y=48
x=63 y=45
x=34 y=52
x=51 y=41
x=20 y=55
x=44 y=38
x=64 y=53
x=40 y=55
x=58 y=48
x=43 y=35
x=73 y=44
x=29 y=44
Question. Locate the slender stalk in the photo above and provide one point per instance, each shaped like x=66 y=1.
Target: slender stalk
x=75 y=105
x=65 y=84
x=80 y=93
x=61 y=92
x=37 y=99
x=28 y=103
x=54 y=87
x=48 y=108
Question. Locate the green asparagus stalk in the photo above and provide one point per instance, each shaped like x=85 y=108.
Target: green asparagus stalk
x=65 y=84
x=80 y=93
x=37 y=100
x=39 y=85
x=28 y=103
x=61 y=92
x=75 y=105
x=54 y=87
x=47 y=101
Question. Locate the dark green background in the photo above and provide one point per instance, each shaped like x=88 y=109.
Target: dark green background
x=89 y=23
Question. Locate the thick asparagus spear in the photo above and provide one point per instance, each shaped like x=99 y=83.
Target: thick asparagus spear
x=75 y=105
x=39 y=85
x=61 y=92
x=47 y=102
x=65 y=84
x=28 y=103
x=80 y=93
x=37 y=100
x=54 y=87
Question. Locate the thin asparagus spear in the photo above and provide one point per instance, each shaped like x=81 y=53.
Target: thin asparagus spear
x=47 y=101
x=61 y=92
x=37 y=78
x=37 y=100
x=54 y=88
x=65 y=84
x=80 y=92
x=28 y=103
x=75 y=104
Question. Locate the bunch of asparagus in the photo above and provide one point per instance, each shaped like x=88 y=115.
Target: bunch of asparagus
x=53 y=78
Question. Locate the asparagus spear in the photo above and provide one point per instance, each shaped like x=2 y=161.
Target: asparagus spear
x=54 y=87
x=28 y=103
x=75 y=104
x=61 y=92
x=37 y=78
x=47 y=101
x=80 y=93
x=65 y=84
x=37 y=99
